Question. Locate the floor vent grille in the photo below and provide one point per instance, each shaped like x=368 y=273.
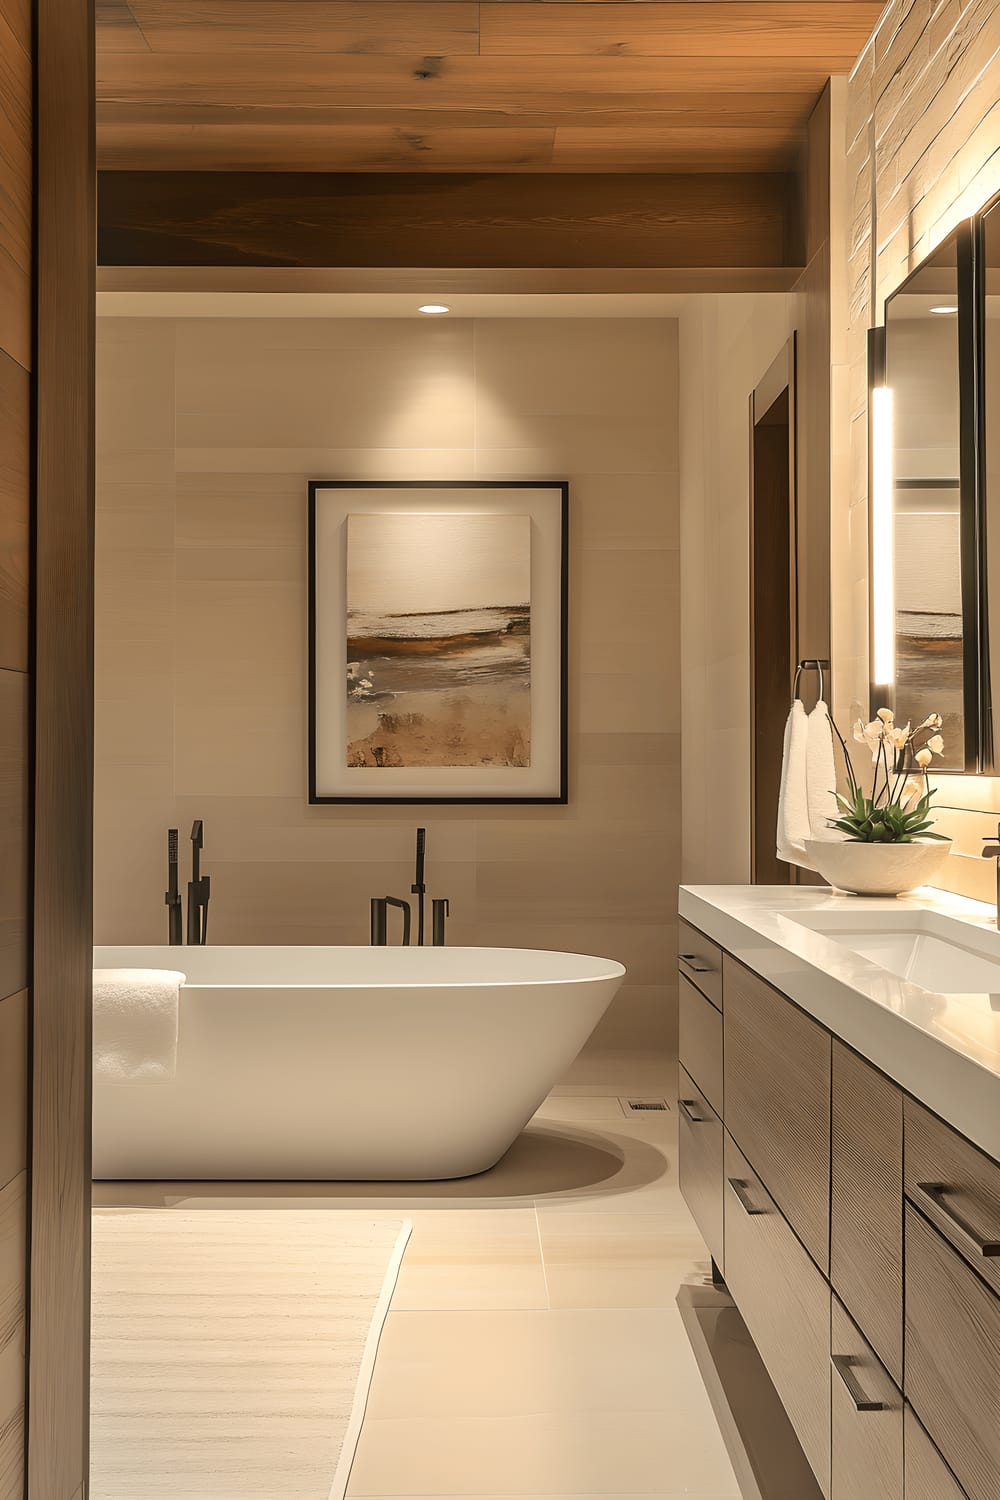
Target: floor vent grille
x=642 y=1106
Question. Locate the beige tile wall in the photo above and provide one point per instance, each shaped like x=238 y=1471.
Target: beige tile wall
x=923 y=101
x=727 y=345
x=208 y=432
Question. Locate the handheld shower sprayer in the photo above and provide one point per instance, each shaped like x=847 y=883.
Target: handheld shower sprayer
x=419 y=888
x=199 y=889
x=175 y=908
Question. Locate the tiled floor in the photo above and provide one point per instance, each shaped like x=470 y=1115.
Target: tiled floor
x=534 y=1347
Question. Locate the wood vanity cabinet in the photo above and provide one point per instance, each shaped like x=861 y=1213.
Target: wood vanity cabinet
x=866 y=1202
x=785 y=1303
x=700 y=961
x=700 y=1152
x=699 y=1027
x=866 y=1417
x=926 y=1475
x=859 y=1236
x=777 y=1101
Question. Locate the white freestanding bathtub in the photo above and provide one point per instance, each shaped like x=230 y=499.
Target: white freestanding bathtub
x=348 y=1063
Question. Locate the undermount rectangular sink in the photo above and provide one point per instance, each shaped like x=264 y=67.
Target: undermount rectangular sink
x=922 y=947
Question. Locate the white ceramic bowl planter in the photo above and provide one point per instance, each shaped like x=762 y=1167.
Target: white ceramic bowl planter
x=877 y=869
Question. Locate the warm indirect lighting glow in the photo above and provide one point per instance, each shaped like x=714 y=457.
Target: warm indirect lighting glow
x=883 y=591
x=434 y=307
x=944 y=309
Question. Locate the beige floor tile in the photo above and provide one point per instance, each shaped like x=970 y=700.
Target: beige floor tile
x=608 y=1453
x=482 y=1364
x=618 y=1260
x=582 y=1107
x=464 y=1258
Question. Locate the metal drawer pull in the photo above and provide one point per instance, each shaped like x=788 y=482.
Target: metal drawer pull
x=936 y=1193
x=687 y=1108
x=695 y=964
x=844 y=1366
x=739 y=1187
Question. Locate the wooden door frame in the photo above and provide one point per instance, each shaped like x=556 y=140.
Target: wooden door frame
x=63 y=626
x=780 y=376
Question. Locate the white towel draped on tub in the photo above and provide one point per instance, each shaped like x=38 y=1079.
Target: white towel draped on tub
x=135 y=1024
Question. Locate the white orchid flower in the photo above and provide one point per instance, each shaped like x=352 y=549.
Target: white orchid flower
x=932 y=721
x=923 y=757
x=936 y=743
x=912 y=790
x=859 y=732
x=898 y=737
x=886 y=715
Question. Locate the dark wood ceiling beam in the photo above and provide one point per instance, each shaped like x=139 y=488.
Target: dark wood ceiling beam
x=558 y=221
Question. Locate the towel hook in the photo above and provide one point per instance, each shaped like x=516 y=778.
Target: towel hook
x=810 y=664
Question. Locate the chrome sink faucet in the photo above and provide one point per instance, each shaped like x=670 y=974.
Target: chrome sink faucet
x=992 y=851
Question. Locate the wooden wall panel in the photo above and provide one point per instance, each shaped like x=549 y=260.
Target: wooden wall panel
x=58 y=1416
x=13 y=1233
x=13 y=1086
x=15 y=703
x=15 y=511
x=318 y=219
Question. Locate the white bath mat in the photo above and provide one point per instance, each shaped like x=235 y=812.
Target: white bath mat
x=233 y=1350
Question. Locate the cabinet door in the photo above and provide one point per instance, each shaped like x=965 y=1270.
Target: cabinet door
x=867 y=1418
x=700 y=1042
x=777 y=1092
x=927 y=1475
x=956 y=1187
x=785 y=1303
x=700 y=961
x=700 y=1162
x=866 y=1205
x=953 y=1357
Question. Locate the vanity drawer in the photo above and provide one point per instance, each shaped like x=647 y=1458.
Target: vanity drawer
x=866 y=1205
x=953 y=1357
x=956 y=1186
x=777 y=1092
x=700 y=1162
x=867 y=1418
x=700 y=1042
x=927 y=1475
x=785 y=1303
x=700 y=960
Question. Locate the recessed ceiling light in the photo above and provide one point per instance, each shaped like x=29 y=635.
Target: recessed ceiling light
x=434 y=307
x=937 y=309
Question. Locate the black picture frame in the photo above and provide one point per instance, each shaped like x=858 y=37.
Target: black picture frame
x=561 y=796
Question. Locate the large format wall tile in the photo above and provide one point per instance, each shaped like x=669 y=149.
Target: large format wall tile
x=202 y=626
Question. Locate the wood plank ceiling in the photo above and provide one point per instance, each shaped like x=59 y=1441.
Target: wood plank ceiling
x=433 y=86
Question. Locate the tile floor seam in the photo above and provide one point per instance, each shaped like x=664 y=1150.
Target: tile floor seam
x=541 y=1256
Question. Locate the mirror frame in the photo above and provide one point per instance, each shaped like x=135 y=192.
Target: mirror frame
x=988 y=748
x=967 y=236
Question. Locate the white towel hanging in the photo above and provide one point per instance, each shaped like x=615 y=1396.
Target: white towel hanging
x=821 y=774
x=793 y=796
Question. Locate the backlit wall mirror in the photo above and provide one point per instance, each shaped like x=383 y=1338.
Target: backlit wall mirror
x=924 y=499
x=988 y=254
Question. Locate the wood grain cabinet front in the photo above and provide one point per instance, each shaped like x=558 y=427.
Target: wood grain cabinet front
x=866 y=1203
x=866 y=1418
x=700 y=1163
x=952 y=1376
x=700 y=1042
x=785 y=1303
x=700 y=961
x=956 y=1186
x=927 y=1476
x=777 y=1096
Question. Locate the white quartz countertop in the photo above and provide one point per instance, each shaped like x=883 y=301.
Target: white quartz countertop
x=942 y=1048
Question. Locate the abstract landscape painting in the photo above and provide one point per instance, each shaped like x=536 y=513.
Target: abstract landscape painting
x=438 y=670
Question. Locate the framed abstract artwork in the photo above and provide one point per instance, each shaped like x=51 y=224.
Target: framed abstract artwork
x=437 y=641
